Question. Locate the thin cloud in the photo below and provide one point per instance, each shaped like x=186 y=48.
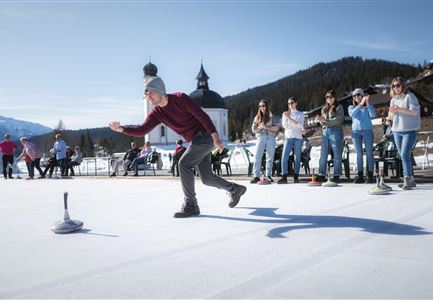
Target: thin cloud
x=34 y=14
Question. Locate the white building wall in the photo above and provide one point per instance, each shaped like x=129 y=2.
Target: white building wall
x=219 y=117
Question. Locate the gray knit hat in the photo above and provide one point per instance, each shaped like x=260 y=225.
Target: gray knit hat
x=154 y=84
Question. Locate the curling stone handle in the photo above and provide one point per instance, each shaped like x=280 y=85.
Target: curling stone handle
x=65 y=199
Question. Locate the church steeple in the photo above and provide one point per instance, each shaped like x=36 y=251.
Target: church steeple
x=150 y=69
x=202 y=79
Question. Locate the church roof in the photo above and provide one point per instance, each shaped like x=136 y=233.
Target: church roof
x=203 y=96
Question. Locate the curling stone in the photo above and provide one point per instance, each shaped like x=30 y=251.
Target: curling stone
x=67 y=225
x=378 y=189
x=313 y=181
x=329 y=183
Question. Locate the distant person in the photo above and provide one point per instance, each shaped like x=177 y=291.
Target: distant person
x=331 y=119
x=32 y=156
x=129 y=156
x=265 y=127
x=362 y=111
x=59 y=149
x=141 y=157
x=293 y=123
x=178 y=152
x=51 y=164
x=180 y=113
x=7 y=148
x=404 y=112
x=75 y=160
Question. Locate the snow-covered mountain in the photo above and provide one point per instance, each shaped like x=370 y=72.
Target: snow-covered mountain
x=18 y=128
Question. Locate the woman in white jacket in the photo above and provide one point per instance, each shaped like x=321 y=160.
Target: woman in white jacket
x=293 y=123
x=265 y=127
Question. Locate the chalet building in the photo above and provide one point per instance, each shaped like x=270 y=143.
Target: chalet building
x=211 y=102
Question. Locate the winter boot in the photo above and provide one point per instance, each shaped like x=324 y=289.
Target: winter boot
x=188 y=210
x=320 y=178
x=407 y=184
x=412 y=181
x=336 y=179
x=235 y=195
x=295 y=178
x=255 y=180
x=282 y=180
x=370 y=178
x=359 y=178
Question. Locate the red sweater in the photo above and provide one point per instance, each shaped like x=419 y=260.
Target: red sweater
x=181 y=114
x=7 y=147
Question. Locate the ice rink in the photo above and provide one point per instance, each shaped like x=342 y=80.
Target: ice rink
x=281 y=241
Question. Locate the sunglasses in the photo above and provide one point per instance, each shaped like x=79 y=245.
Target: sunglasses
x=398 y=85
x=357 y=95
x=290 y=103
x=262 y=105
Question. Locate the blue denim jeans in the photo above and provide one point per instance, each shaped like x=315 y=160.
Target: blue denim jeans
x=264 y=142
x=332 y=138
x=358 y=137
x=297 y=147
x=405 y=140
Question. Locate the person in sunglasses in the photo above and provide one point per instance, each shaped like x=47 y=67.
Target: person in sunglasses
x=404 y=112
x=265 y=127
x=179 y=112
x=293 y=123
x=362 y=111
x=331 y=119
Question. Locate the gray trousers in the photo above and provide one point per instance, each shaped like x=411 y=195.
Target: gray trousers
x=198 y=154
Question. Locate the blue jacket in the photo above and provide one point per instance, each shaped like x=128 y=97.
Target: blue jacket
x=361 y=117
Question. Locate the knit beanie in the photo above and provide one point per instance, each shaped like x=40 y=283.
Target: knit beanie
x=358 y=91
x=154 y=84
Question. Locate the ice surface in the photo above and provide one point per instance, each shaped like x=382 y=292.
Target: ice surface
x=281 y=241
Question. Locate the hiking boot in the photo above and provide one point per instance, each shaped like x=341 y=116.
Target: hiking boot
x=320 y=178
x=283 y=180
x=336 y=179
x=235 y=196
x=370 y=178
x=407 y=184
x=187 y=210
x=360 y=178
x=255 y=180
x=114 y=174
x=295 y=178
x=136 y=174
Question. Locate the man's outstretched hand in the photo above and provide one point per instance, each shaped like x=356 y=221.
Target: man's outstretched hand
x=115 y=126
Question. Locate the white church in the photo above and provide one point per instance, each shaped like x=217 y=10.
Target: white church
x=211 y=102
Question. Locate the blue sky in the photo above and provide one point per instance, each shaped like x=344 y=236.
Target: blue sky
x=81 y=61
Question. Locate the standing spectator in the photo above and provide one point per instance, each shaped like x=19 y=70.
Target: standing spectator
x=265 y=127
x=75 y=160
x=32 y=156
x=141 y=158
x=331 y=119
x=404 y=112
x=7 y=148
x=59 y=149
x=362 y=111
x=293 y=123
x=129 y=156
x=179 y=112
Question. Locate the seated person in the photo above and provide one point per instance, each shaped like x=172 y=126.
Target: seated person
x=130 y=155
x=178 y=152
x=51 y=164
x=75 y=160
x=142 y=157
